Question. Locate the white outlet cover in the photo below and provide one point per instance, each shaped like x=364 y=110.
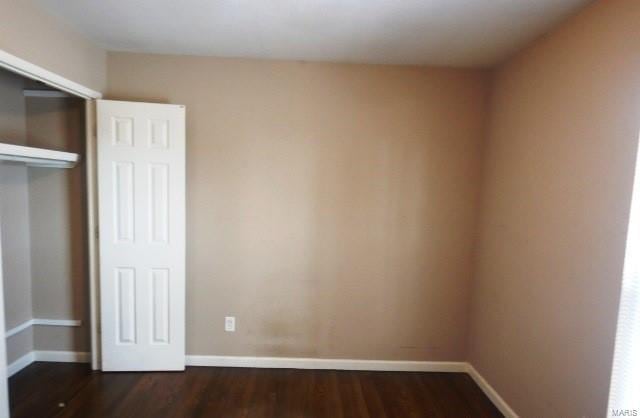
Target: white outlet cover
x=230 y=323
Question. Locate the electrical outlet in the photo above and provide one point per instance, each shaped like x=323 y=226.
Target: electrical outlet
x=230 y=323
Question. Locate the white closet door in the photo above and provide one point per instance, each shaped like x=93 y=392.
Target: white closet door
x=141 y=193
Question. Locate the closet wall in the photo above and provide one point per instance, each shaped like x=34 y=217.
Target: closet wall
x=43 y=223
x=57 y=218
x=14 y=210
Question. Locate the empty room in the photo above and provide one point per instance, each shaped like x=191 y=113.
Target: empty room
x=320 y=208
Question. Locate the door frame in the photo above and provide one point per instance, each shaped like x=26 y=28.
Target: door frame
x=30 y=70
x=4 y=380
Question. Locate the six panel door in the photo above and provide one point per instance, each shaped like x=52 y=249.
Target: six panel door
x=141 y=191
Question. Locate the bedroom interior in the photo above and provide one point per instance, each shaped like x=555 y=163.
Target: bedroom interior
x=320 y=210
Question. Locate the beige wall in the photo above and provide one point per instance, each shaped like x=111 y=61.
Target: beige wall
x=14 y=225
x=13 y=125
x=329 y=207
x=29 y=33
x=564 y=126
x=57 y=219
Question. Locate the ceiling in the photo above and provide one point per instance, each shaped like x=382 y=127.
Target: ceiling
x=466 y=33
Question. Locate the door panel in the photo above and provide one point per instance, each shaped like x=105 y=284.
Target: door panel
x=141 y=191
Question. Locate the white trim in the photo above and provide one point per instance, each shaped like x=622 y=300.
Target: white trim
x=57 y=322
x=48 y=356
x=294 y=363
x=44 y=322
x=323 y=364
x=18 y=329
x=35 y=72
x=491 y=393
x=63 y=356
x=262 y=362
x=21 y=363
x=38 y=157
x=92 y=227
x=348 y=364
x=4 y=372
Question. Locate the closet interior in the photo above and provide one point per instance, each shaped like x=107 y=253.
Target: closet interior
x=43 y=221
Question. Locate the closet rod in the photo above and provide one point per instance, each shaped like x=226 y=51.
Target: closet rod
x=46 y=93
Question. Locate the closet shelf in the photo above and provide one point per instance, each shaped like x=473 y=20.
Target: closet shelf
x=38 y=157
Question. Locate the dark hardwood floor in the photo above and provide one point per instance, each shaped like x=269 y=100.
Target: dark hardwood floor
x=73 y=390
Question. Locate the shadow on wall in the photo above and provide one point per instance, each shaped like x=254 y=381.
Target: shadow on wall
x=140 y=99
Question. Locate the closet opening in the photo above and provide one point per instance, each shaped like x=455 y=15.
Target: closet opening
x=43 y=227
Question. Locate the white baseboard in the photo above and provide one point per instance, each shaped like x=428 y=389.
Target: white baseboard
x=40 y=321
x=491 y=393
x=368 y=365
x=294 y=363
x=326 y=364
x=20 y=363
x=53 y=356
x=63 y=356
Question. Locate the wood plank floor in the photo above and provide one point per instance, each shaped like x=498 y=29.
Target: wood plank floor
x=73 y=390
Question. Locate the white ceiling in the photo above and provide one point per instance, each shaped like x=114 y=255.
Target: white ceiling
x=439 y=32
